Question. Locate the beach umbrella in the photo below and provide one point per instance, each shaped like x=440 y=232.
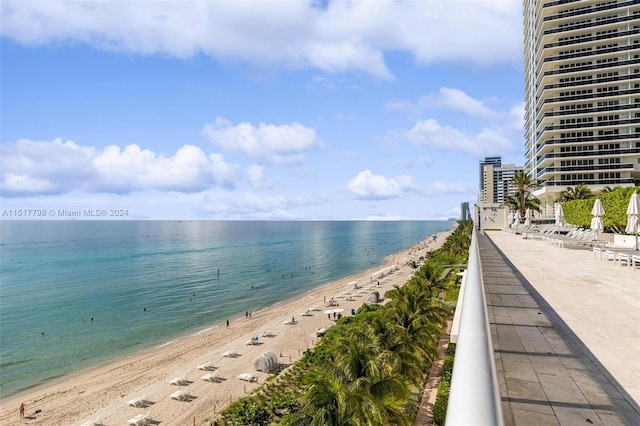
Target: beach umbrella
x=633 y=216
x=559 y=216
x=597 y=212
x=337 y=310
x=516 y=222
x=527 y=217
x=511 y=218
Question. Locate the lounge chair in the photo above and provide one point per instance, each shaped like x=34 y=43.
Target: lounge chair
x=267 y=334
x=253 y=341
x=139 y=420
x=207 y=366
x=180 y=395
x=230 y=354
x=247 y=377
x=138 y=402
x=211 y=378
x=179 y=381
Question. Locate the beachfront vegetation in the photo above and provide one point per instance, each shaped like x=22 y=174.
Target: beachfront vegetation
x=368 y=368
x=442 y=397
x=614 y=203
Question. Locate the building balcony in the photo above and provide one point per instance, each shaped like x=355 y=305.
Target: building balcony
x=617 y=35
x=583 y=111
x=587 y=96
x=616 y=20
x=591 y=153
x=592 y=124
x=604 y=65
x=599 y=167
x=614 y=181
x=588 y=82
x=584 y=11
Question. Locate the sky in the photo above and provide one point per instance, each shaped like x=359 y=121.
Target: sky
x=257 y=109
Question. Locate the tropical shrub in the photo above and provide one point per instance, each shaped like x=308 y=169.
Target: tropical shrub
x=614 y=203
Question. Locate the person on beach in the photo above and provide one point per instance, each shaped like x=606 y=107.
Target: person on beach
x=22 y=410
x=227 y=323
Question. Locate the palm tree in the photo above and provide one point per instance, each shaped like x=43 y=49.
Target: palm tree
x=579 y=192
x=523 y=198
x=609 y=189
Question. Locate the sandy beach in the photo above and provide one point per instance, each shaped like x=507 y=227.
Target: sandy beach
x=101 y=394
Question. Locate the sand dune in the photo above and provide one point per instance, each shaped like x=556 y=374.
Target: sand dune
x=101 y=393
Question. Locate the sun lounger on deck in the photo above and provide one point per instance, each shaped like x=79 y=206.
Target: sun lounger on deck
x=230 y=354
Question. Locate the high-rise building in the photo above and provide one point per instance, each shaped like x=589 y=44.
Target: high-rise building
x=465 y=213
x=582 y=94
x=487 y=188
x=495 y=180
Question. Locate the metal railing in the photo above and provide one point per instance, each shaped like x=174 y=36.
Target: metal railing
x=474 y=398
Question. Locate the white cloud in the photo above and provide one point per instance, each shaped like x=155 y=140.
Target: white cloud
x=285 y=144
x=448 y=188
x=33 y=167
x=457 y=100
x=431 y=134
x=255 y=176
x=250 y=205
x=344 y=36
x=367 y=185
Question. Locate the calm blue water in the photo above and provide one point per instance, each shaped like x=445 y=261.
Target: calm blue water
x=57 y=275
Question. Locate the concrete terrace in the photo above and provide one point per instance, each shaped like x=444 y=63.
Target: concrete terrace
x=566 y=333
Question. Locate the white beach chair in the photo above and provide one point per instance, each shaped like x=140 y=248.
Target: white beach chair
x=253 y=341
x=206 y=366
x=247 y=377
x=179 y=381
x=139 y=420
x=230 y=354
x=211 y=378
x=180 y=395
x=138 y=402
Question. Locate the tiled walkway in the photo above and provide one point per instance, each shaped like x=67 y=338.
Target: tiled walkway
x=546 y=373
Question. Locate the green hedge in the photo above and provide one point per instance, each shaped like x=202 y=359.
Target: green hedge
x=578 y=212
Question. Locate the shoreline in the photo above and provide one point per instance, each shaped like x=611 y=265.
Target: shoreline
x=101 y=392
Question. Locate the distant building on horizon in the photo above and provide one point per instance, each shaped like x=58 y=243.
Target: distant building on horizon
x=465 y=213
x=582 y=95
x=495 y=180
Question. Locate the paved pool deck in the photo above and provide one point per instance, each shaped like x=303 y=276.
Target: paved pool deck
x=566 y=333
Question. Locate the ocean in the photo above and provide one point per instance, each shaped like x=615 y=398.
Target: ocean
x=74 y=294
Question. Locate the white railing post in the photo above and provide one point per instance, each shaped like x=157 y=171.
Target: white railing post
x=474 y=398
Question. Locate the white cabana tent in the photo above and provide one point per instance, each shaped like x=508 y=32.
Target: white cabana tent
x=266 y=362
x=373 y=297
